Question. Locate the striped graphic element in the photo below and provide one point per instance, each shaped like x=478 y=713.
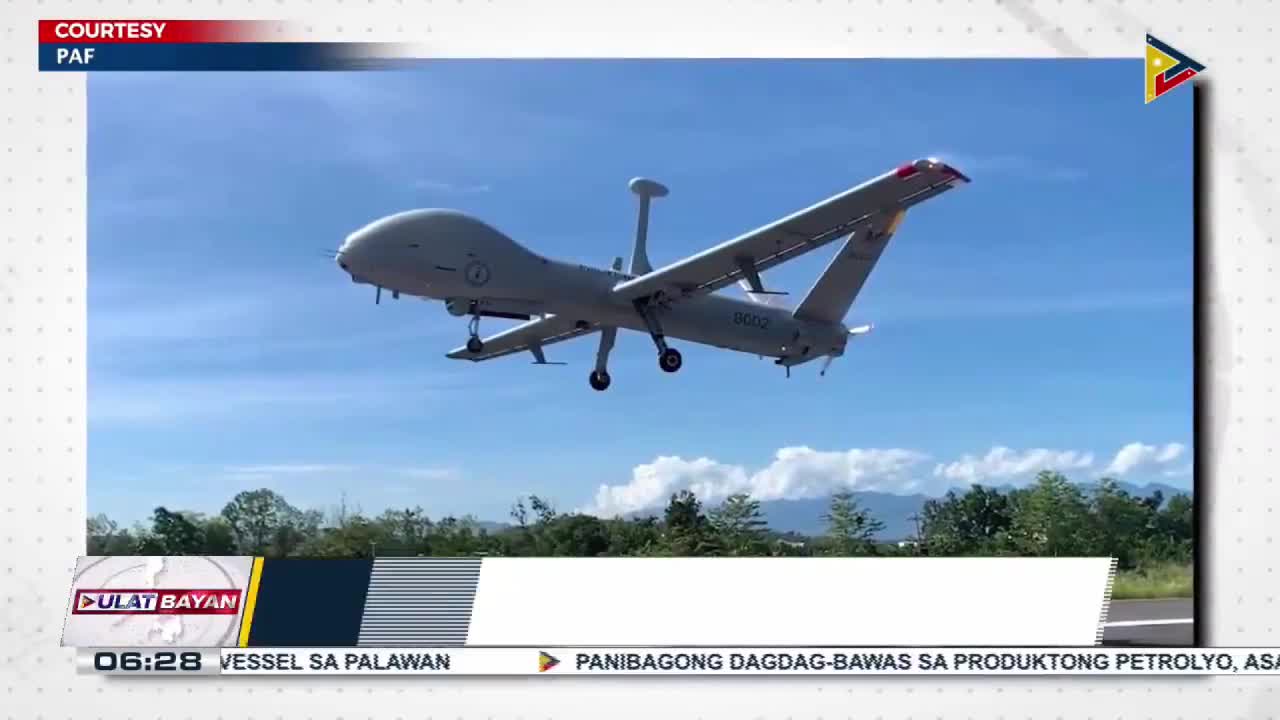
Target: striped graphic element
x=1106 y=600
x=419 y=601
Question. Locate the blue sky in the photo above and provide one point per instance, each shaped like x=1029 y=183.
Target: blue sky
x=1039 y=317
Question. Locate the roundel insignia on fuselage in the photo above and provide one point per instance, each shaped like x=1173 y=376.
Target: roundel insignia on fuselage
x=477 y=274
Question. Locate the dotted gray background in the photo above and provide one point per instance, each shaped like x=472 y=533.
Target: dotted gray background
x=42 y=346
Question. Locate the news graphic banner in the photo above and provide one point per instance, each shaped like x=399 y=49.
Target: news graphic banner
x=243 y=602
x=683 y=661
x=194 y=45
x=158 y=601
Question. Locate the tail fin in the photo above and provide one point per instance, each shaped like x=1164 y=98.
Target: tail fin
x=834 y=292
x=831 y=297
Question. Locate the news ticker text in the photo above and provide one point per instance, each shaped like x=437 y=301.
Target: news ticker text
x=681 y=661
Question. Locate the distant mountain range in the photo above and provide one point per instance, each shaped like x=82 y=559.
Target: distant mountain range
x=805 y=516
x=895 y=511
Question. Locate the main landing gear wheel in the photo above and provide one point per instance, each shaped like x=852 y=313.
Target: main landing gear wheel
x=599 y=380
x=670 y=360
x=474 y=345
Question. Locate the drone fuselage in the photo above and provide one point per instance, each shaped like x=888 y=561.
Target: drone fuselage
x=476 y=269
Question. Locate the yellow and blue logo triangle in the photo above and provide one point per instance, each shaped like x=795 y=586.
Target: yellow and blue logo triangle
x=546 y=662
x=1166 y=68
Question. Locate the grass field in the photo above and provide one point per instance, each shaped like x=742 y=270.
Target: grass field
x=1152 y=583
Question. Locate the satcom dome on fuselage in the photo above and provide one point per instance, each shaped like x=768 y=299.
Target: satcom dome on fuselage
x=441 y=227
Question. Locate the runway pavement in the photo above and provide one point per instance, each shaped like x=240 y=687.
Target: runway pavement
x=1150 y=622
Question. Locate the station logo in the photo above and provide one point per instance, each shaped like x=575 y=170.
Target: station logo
x=1166 y=68
x=546 y=662
x=160 y=601
x=156 y=602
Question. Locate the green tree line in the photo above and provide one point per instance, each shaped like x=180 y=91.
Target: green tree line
x=1051 y=517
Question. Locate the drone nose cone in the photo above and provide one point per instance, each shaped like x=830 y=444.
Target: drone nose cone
x=340 y=257
x=348 y=255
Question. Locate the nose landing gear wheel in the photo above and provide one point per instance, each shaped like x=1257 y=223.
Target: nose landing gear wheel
x=474 y=345
x=670 y=360
x=599 y=380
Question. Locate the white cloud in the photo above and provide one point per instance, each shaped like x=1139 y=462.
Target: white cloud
x=1003 y=464
x=421 y=473
x=435 y=474
x=269 y=475
x=247 y=319
x=653 y=482
x=799 y=472
x=288 y=469
x=363 y=112
x=233 y=397
x=796 y=472
x=371 y=476
x=1146 y=458
x=802 y=472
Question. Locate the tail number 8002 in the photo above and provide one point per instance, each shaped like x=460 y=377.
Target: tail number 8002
x=751 y=320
